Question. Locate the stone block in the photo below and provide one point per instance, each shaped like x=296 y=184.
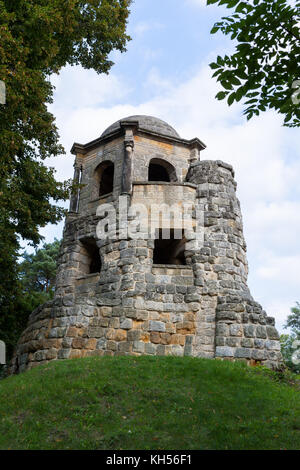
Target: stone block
x=78 y=343
x=227 y=315
x=272 y=332
x=57 y=332
x=72 y=332
x=178 y=351
x=261 y=332
x=64 y=353
x=161 y=350
x=76 y=353
x=258 y=354
x=91 y=343
x=165 y=338
x=125 y=346
x=272 y=345
x=259 y=343
x=101 y=343
x=51 y=354
x=157 y=326
x=126 y=324
x=224 y=351
x=155 y=337
x=150 y=348
x=236 y=330
x=222 y=329
x=134 y=335
x=139 y=346
x=232 y=342
x=112 y=345
x=249 y=331
x=96 y=332
x=220 y=341
x=243 y=353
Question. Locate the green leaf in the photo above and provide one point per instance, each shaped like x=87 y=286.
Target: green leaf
x=214 y=30
x=266 y=56
x=231 y=98
x=213 y=65
x=226 y=84
x=221 y=95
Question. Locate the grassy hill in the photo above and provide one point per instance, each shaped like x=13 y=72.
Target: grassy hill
x=148 y=403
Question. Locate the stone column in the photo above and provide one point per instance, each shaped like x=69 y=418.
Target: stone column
x=127 y=163
x=74 y=200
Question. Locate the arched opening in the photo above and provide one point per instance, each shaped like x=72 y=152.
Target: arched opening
x=170 y=250
x=105 y=178
x=161 y=170
x=158 y=173
x=90 y=259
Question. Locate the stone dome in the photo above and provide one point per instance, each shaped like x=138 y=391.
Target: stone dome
x=147 y=123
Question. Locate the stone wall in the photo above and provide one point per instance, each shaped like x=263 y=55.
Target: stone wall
x=130 y=308
x=243 y=329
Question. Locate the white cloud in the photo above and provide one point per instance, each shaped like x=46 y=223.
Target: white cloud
x=148 y=54
x=92 y=89
x=277 y=221
x=157 y=82
x=279 y=309
x=144 y=26
x=280 y=268
x=198 y=3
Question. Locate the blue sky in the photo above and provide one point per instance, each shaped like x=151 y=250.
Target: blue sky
x=165 y=73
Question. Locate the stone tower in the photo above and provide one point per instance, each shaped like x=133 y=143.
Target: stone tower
x=174 y=296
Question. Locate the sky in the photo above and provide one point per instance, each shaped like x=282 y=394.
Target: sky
x=165 y=73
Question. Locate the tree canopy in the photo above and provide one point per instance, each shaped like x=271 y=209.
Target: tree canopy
x=34 y=285
x=290 y=343
x=293 y=320
x=38 y=38
x=264 y=71
x=37 y=271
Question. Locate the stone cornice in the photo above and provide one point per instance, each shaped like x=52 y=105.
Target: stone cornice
x=164 y=183
x=85 y=148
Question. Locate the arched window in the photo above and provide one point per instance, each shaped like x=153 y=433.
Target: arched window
x=170 y=250
x=161 y=170
x=105 y=178
x=90 y=257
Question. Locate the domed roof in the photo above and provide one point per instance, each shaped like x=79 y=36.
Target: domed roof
x=147 y=123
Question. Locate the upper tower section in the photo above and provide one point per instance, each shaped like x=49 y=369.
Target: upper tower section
x=134 y=150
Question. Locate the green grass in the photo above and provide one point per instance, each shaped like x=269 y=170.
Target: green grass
x=148 y=403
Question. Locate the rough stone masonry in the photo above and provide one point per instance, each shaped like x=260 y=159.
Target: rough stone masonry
x=144 y=296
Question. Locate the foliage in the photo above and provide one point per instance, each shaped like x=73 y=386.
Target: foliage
x=289 y=345
x=38 y=270
x=289 y=351
x=34 y=286
x=147 y=403
x=266 y=62
x=293 y=320
x=38 y=38
x=282 y=375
